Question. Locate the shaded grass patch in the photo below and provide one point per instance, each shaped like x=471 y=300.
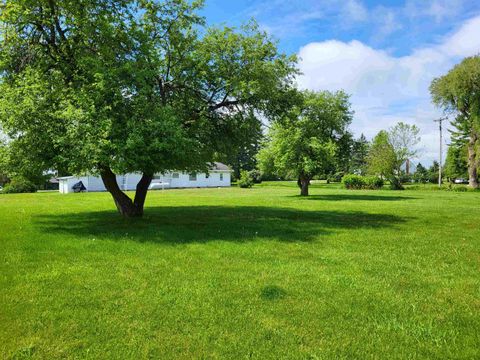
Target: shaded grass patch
x=201 y=224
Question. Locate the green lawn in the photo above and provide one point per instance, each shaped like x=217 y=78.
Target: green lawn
x=242 y=273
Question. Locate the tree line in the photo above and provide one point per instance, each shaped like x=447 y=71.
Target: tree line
x=316 y=142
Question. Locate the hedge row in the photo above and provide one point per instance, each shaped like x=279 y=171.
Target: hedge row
x=352 y=181
x=19 y=186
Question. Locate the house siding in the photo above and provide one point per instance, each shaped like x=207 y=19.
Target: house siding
x=128 y=182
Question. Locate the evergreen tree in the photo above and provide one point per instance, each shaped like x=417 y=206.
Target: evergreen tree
x=344 y=153
x=359 y=155
x=421 y=174
x=456 y=165
x=433 y=172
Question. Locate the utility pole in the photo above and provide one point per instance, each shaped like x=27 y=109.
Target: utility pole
x=440 y=121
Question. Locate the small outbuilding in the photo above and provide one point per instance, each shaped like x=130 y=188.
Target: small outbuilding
x=218 y=176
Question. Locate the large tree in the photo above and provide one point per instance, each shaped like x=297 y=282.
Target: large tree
x=404 y=139
x=456 y=162
x=113 y=87
x=359 y=155
x=391 y=149
x=243 y=149
x=3 y=161
x=458 y=92
x=15 y=165
x=433 y=172
x=344 y=153
x=381 y=158
x=303 y=144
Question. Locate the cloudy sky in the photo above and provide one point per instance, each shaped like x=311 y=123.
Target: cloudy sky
x=383 y=53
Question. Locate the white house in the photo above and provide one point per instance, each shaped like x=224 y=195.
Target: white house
x=218 y=176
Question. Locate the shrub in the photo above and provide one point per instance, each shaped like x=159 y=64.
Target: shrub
x=395 y=183
x=373 y=182
x=245 y=180
x=337 y=177
x=19 y=185
x=404 y=178
x=256 y=176
x=353 y=181
x=457 y=188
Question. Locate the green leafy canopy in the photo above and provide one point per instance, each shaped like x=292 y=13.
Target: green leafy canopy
x=391 y=149
x=458 y=93
x=304 y=143
x=135 y=86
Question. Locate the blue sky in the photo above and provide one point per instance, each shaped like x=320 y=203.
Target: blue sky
x=383 y=53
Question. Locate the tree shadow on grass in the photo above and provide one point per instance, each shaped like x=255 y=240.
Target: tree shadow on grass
x=177 y=225
x=358 y=197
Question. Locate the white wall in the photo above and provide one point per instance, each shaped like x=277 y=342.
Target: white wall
x=183 y=180
x=129 y=181
x=65 y=185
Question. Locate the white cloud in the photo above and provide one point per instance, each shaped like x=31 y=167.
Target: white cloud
x=355 y=10
x=386 y=22
x=384 y=88
x=466 y=41
x=296 y=24
x=440 y=10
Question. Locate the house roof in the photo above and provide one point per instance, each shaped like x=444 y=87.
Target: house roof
x=215 y=166
x=219 y=166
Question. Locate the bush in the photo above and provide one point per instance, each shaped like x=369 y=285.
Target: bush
x=337 y=177
x=353 y=181
x=395 y=183
x=404 y=178
x=373 y=182
x=245 y=180
x=457 y=188
x=256 y=176
x=19 y=185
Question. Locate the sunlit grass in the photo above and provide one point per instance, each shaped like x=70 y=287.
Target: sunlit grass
x=238 y=273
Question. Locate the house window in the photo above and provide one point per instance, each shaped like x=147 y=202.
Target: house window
x=221 y=177
x=193 y=177
x=157 y=177
x=175 y=176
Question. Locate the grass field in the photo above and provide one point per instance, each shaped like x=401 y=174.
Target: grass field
x=242 y=273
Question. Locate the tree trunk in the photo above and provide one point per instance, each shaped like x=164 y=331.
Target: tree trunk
x=303 y=183
x=124 y=204
x=472 y=162
x=141 y=193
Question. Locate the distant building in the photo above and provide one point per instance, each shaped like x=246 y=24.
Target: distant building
x=218 y=176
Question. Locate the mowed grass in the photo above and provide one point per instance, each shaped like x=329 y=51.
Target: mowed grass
x=242 y=273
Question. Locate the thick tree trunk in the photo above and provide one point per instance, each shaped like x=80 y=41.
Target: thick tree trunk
x=472 y=162
x=124 y=204
x=303 y=183
x=141 y=193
